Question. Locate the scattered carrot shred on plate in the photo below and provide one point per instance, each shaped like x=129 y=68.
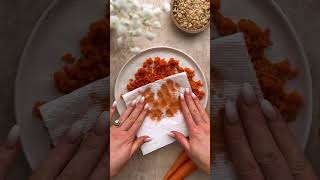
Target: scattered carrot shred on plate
x=154 y=69
x=93 y=64
x=35 y=109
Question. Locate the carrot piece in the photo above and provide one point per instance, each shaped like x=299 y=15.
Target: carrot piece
x=185 y=170
x=182 y=158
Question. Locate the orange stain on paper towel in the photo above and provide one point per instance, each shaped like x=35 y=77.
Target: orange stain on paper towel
x=165 y=102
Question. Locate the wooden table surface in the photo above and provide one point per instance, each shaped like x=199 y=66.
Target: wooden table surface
x=155 y=165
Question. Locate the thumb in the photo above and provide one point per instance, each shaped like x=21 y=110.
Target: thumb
x=9 y=151
x=138 y=143
x=181 y=139
x=113 y=110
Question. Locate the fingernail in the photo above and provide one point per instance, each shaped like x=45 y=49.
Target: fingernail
x=183 y=90
x=187 y=90
x=193 y=96
x=171 y=134
x=114 y=104
x=147 y=139
x=231 y=112
x=101 y=124
x=133 y=103
x=75 y=132
x=268 y=110
x=142 y=99
x=146 y=107
x=248 y=94
x=13 y=136
x=182 y=96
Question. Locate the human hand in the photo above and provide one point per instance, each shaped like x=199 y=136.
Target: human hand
x=78 y=157
x=123 y=141
x=9 y=151
x=198 y=145
x=260 y=143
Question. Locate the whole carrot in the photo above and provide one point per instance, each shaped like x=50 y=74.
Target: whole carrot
x=182 y=158
x=183 y=171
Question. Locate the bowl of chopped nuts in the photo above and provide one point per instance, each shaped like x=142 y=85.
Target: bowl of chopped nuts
x=191 y=16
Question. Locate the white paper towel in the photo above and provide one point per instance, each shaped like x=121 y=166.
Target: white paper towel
x=158 y=130
x=83 y=105
x=233 y=67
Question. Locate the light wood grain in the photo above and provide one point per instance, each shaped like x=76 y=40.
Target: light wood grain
x=154 y=165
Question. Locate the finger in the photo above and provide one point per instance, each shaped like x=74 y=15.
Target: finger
x=201 y=109
x=59 y=156
x=113 y=109
x=134 y=115
x=192 y=107
x=101 y=171
x=238 y=147
x=138 y=143
x=137 y=124
x=260 y=138
x=128 y=111
x=88 y=155
x=300 y=167
x=9 y=151
x=181 y=139
x=186 y=113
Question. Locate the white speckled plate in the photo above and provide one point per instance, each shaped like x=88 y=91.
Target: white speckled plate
x=286 y=45
x=58 y=31
x=133 y=64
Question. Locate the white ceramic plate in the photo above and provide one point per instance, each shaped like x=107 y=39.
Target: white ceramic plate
x=286 y=45
x=58 y=31
x=130 y=68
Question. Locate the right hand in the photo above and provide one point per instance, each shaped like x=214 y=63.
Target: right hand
x=198 y=145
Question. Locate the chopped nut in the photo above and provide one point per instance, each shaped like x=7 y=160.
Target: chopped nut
x=191 y=14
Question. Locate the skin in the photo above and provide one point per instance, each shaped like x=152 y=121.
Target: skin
x=197 y=146
x=123 y=145
x=65 y=161
x=123 y=141
x=7 y=157
x=261 y=146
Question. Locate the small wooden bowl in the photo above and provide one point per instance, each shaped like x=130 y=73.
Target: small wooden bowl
x=182 y=28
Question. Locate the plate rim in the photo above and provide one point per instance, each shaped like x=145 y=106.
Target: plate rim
x=305 y=62
x=45 y=13
x=164 y=47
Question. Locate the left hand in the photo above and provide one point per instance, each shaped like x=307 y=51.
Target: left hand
x=123 y=141
x=9 y=151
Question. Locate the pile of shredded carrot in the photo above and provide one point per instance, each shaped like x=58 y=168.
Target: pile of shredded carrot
x=93 y=65
x=154 y=69
x=272 y=76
